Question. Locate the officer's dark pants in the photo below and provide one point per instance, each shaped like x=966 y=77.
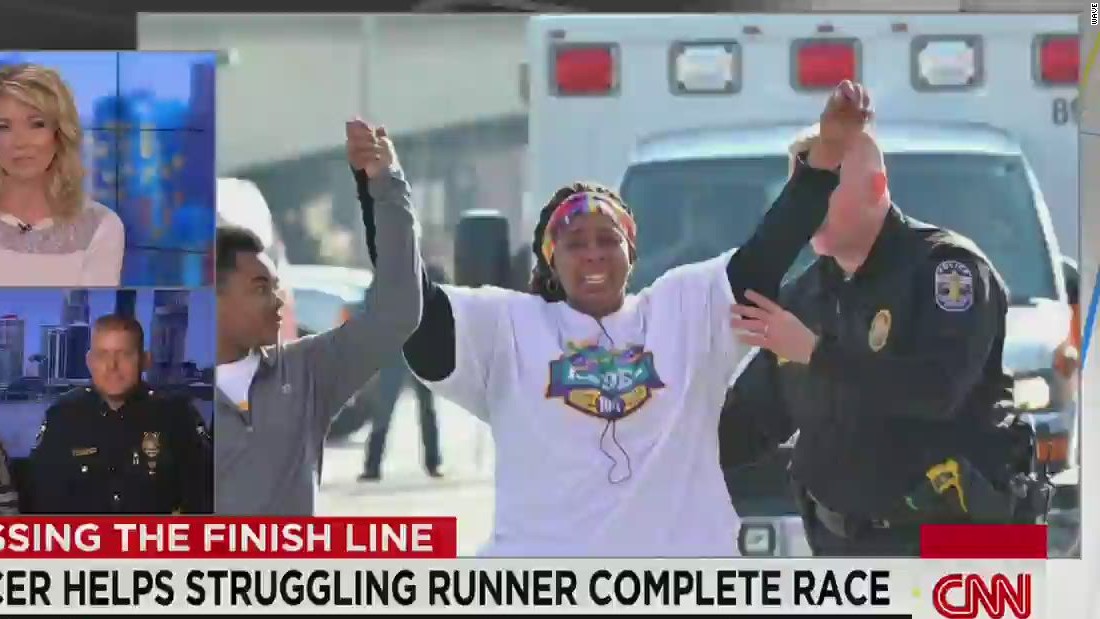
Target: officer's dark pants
x=902 y=542
x=862 y=540
x=391 y=383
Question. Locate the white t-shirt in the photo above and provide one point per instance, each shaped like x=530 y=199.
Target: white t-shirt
x=234 y=379
x=674 y=354
x=86 y=251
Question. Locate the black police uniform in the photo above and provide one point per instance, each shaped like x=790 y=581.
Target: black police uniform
x=151 y=456
x=906 y=375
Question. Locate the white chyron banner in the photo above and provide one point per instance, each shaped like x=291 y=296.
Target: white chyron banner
x=792 y=588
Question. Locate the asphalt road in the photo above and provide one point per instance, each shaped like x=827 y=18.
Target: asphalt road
x=466 y=491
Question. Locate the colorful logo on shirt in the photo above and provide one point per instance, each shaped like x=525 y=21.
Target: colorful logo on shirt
x=611 y=384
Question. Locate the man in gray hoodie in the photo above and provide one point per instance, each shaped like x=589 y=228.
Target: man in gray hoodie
x=274 y=401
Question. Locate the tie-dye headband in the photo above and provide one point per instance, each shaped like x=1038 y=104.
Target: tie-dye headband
x=579 y=204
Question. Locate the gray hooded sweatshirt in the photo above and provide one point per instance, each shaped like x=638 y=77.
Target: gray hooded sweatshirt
x=269 y=466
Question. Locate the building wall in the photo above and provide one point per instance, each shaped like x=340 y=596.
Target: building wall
x=477 y=165
x=446 y=86
x=307 y=74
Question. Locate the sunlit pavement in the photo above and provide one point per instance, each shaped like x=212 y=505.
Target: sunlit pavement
x=466 y=491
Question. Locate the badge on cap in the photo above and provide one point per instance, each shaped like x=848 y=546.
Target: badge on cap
x=954 y=286
x=880 y=330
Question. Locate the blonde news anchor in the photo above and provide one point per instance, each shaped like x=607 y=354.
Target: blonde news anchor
x=51 y=233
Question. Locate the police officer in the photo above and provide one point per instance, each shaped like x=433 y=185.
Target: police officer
x=885 y=357
x=119 y=446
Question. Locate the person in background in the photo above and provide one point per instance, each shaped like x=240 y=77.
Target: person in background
x=886 y=356
x=604 y=406
x=119 y=447
x=391 y=383
x=51 y=233
x=274 y=402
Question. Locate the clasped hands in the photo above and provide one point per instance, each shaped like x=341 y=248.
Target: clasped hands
x=767 y=325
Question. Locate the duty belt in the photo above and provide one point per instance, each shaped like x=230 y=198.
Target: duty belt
x=845 y=526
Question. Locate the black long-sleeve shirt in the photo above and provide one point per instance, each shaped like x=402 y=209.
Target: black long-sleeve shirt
x=758 y=265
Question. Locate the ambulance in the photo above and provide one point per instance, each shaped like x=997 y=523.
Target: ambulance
x=690 y=117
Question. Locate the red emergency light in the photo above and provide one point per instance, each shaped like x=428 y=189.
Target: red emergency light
x=821 y=64
x=584 y=70
x=1059 y=59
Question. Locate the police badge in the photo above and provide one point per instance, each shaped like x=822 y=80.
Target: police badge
x=954 y=286
x=880 y=330
x=150 y=446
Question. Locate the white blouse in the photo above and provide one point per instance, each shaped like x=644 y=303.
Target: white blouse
x=84 y=252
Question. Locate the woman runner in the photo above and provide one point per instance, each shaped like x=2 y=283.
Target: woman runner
x=604 y=406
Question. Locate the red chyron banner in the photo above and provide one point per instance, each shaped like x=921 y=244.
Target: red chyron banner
x=59 y=537
x=968 y=541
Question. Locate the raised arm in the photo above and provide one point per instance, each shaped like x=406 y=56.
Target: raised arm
x=764 y=259
x=344 y=359
x=430 y=350
x=797 y=213
x=454 y=365
x=708 y=289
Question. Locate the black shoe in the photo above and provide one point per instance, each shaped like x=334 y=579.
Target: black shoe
x=370 y=476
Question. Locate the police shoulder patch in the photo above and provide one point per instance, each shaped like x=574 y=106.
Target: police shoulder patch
x=954 y=286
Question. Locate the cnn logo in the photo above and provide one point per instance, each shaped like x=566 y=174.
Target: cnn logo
x=959 y=596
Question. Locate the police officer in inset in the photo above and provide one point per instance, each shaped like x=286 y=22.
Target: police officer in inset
x=885 y=357
x=119 y=446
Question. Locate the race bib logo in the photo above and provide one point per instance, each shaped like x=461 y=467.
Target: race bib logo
x=610 y=384
x=954 y=286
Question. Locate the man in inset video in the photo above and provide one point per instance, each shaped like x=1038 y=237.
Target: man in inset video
x=119 y=446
